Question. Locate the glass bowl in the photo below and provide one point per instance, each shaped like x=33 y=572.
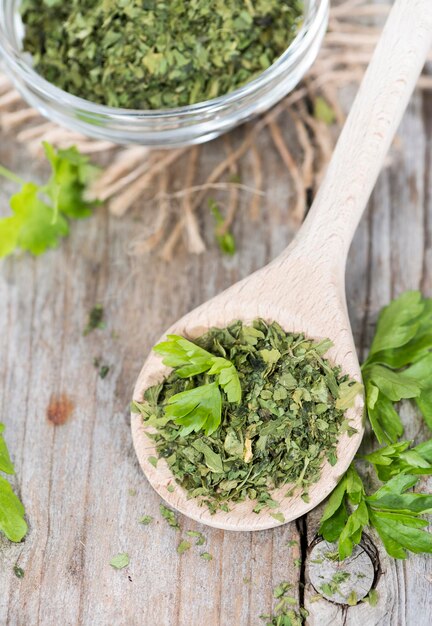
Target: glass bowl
x=168 y=127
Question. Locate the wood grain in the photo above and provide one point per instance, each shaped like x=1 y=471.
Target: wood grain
x=75 y=478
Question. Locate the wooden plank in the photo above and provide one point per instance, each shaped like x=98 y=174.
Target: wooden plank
x=75 y=478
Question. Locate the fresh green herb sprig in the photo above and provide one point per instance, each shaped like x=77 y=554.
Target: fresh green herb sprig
x=199 y=408
x=12 y=522
x=41 y=213
x=291 y=414
x=398 y=367
x=392 y=512
x=399 y=364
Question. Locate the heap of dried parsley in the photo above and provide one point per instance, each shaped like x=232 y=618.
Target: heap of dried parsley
x=151 y=54
x=289 y=418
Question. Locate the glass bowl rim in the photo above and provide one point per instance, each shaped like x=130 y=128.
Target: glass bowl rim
x=315 y=12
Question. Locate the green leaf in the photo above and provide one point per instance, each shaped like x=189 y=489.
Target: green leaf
x=391 y=496
x=71 y=173
x=394 y=385
x=212 y=459
x=352 y=533
x=385 y=420
x=332 y=527
x=6 y=464
x=186 y=357
x=335 y=500
x=424 y=403
x=12 y=521
x=120 y=560
x=196 y=409
x=38 y=219
x=397 y=323
x=228 y=378
x=398 y=536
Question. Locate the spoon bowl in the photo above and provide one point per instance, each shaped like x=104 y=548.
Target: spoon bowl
x=299 y=310
x=304 y=288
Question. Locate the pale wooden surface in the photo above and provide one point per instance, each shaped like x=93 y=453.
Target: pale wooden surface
x=75 y=478
x=304 y=288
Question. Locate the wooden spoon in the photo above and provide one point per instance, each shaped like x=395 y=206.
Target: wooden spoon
x=304 y=288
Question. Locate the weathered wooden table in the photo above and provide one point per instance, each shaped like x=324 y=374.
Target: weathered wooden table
x=69 y=432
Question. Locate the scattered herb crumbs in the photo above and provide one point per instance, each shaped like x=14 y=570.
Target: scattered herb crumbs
x=332 y=587
x=155 y=55
x=246 y=580
x=332 y=556
x=223 y=235
x=183 y=546
x=372 y=597
x=297 y=562
x=206 y=556
x=284 y=614
x=12 y=522
x=132 y=492
x=352 y=598
x=146 y=520
x=120 y=561
x=41 y=213
x=316 y=598
x=200 y=538
x=95 y=319
x=169 y=516
x=153 y=460
x=291 y=543
x=317 y=561
x=171 y=488
x=279 y=517
x=281 y=589
x=266 y=401
x=18 y=571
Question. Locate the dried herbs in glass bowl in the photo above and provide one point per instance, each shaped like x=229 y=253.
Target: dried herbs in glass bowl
x=247 y=410
x=158 y=73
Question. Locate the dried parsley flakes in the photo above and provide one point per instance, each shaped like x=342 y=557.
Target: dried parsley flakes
x=290 y=416
x=149 y=54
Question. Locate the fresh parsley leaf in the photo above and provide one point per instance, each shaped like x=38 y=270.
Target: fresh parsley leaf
x=199 y=408
x=186 y=357
x=39 y=212
x=398 y=322
x=12 y=522
x=391 y=511
x=400 y=458
x=196 y=409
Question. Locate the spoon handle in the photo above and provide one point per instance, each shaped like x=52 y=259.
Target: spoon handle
x=368 y=132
